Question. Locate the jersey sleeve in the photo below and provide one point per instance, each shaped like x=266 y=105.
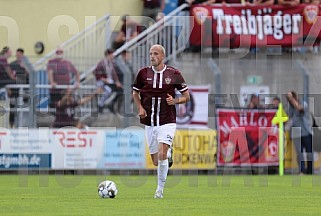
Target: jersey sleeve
x=180 y=83
x=138 y=83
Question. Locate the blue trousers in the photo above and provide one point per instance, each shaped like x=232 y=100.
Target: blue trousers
x=300 y=144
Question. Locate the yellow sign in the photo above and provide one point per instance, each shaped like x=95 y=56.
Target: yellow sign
x=280 y=115
x=193 y=149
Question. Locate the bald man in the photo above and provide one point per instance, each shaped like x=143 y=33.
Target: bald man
x=154 y=96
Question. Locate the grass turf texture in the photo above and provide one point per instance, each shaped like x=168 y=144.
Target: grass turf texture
x=184 y=195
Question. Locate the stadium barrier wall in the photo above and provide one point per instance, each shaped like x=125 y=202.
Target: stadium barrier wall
x=101 y=149
x=108 y=149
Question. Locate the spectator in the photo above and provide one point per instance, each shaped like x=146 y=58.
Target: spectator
x=6 y=74
x=165 y=35
x=19 y=69
x=65 y=109
x=184 y=21
x=275 y=102
x=129 y=30
x=22 y=77
x=127 y=59
x=150 y=10
x=289 y=2
x=106 y=78
x=60 y=72
x=301 y=132
x=248 y=2
x=180 y=2
x=186 y=11
x=254 y=102
x=264 y=2
x=206 y=2
x=231 y=1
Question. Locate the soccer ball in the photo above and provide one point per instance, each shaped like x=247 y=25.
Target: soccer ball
x=107 y=189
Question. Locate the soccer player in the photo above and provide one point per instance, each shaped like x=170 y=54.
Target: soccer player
x=154 y=96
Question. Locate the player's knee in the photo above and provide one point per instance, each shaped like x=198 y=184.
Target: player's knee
x=162 y=155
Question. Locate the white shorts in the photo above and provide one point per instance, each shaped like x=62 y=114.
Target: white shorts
x=159 y=134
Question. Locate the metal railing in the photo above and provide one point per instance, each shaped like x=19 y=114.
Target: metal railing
x=172 y=32
x=23 y=107
x=84 y=49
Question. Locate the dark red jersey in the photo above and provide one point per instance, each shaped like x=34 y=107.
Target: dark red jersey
x=65 y=115
x=105 y=69
x=153 y=87
x=3 y=65
x=152 y=3
x=62 y=70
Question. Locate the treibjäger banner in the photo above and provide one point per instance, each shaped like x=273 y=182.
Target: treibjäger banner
x=246 y=137
x=255 y=26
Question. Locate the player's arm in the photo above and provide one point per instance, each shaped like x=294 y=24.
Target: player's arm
x=180 y=100
x=141 y=111
x=184 y=98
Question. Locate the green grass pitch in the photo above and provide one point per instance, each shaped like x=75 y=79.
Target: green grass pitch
x=184 y=195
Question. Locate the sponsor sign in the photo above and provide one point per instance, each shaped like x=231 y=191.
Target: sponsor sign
x=194 y=114
x=193 y=149
x=25 y=141
x=124 y=149
x=246 y=137
x=77 y=149
x=25 y=161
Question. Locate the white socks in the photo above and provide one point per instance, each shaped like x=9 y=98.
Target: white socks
x=162 y=170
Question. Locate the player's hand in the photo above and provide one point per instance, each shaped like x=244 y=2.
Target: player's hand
x=142 y=112
x=170 y=100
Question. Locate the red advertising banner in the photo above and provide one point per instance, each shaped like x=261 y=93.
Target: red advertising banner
x=255 y=26
x=246 y=137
